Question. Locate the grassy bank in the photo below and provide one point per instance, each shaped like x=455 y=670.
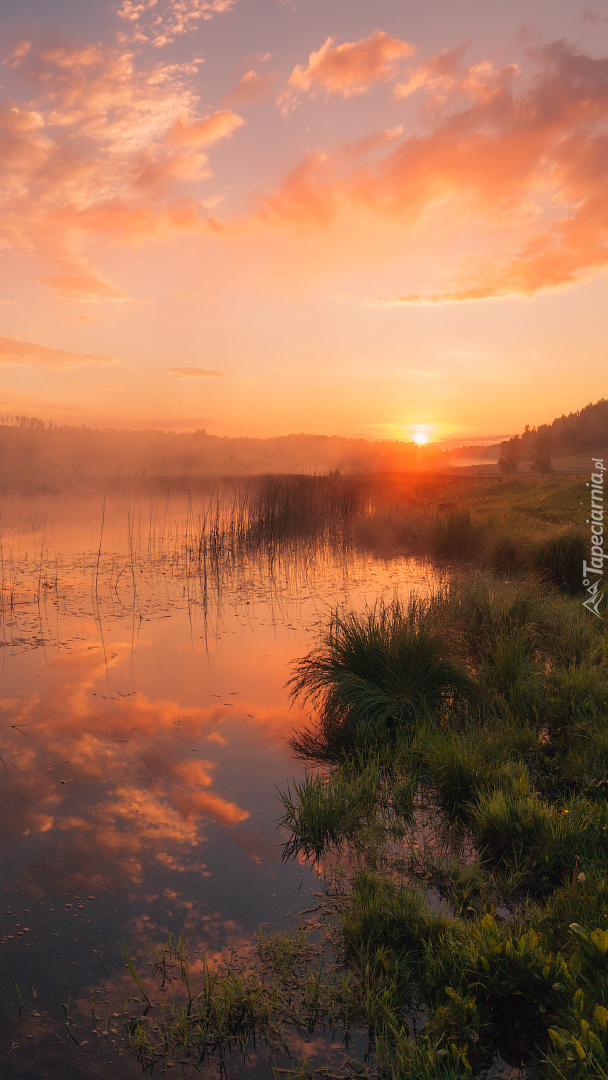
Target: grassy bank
x=461 y=801
x=518 y=526
x=456 y=805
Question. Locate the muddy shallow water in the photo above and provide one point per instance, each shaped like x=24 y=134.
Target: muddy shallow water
x=143 y=714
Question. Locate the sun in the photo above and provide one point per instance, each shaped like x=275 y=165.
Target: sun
x=420 y=438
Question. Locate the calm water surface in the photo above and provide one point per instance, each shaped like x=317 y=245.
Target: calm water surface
x=143 y=715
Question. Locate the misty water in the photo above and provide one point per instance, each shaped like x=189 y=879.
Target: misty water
x=143 y=716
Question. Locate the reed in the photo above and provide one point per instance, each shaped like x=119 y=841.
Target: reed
x=457 y=535
x=560 y=558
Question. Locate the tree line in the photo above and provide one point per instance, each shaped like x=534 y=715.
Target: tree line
x=584 y=430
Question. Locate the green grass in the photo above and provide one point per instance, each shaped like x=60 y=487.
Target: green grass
x=373 y=674
x=457 y=806
x=325 y=810
x=560 y=558
x=456 y=535
x=506 y=773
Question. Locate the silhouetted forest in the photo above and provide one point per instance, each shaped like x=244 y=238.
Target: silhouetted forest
x=584 y=430
x=35 y=454
x=44 y=455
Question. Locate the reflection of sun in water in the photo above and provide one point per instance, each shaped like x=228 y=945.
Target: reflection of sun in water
x=420 y=437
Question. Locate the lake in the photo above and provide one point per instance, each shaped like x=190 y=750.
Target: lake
x=146 y=643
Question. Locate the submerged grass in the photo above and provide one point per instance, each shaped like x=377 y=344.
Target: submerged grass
x=198 y=1010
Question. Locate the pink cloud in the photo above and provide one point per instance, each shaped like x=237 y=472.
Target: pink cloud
x=251 y=89
x=103 y=149
x=353 y=67
x=521 y=160
x=159 y=22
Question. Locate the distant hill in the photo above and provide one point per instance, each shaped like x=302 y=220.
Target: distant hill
x=472 y=455
x=36 y=454
x=575 y=433
x=583 y=431
x=586 y=429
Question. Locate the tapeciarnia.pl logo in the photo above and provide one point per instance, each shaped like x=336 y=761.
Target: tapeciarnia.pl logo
x=596 y=520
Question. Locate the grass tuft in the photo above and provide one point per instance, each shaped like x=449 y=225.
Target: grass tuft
x=372 y=675
x=561 y=558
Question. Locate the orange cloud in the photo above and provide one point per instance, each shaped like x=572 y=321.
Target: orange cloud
x=439 y=73
x=204 y=132
x=130 y=221
x=251 y=89
x=353 y=67
x=100 y=151
x=139 y=750
x=520 y=160
x=14 y=352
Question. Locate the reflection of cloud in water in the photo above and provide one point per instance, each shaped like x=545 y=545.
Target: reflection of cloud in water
x=112 y=780
x=257 y=845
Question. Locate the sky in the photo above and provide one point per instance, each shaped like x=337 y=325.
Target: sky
x=260 y=217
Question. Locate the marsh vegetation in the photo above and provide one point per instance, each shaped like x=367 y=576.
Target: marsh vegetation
x=454 y=803
x=201 y=533
x=464 y=812
x=458 y=811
